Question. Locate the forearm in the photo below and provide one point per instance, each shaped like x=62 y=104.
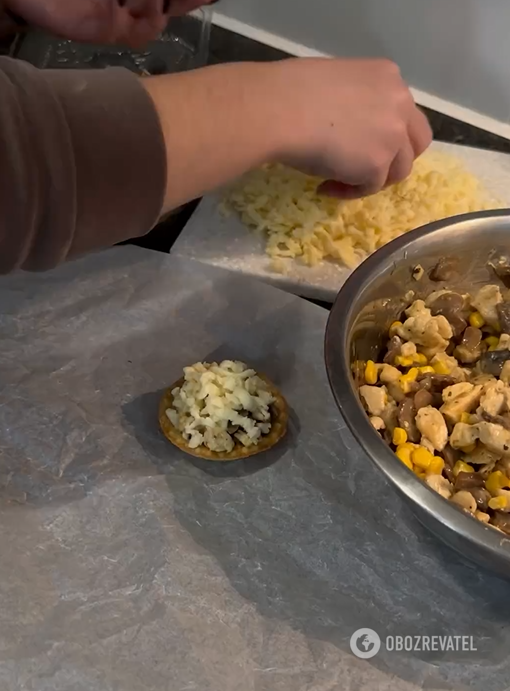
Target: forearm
x=10 y=24
x=82 y=163
x=218 y=122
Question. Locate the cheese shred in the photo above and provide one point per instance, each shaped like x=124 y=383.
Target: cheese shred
x=283 y=205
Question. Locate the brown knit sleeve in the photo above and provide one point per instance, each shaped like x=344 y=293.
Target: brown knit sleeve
x=10 y=24
x=82 y=163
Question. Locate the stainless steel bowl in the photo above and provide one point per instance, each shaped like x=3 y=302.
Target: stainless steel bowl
x=370 y=300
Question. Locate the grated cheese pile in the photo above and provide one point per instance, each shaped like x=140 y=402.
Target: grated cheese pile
x=284 y=204
x=218 y=404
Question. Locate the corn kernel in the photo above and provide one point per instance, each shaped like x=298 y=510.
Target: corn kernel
x=465 y=418
x=469 y=448
x=406 y=449
x=412 y=375
x=421 y=458
x=407 y=462
x=404 y=361
x=496 y=481
x=399 y=436
x=419 y=473
x=492 y=342
x=406 y=380
x=436 y=466
x=476 y=320
x=462 y=467
x=403 y=452
x=404 y=455
x=394 y=327
x=498 y=503
x=420 y=359
x=371 y=373
x=441 y=368
x=426 y=370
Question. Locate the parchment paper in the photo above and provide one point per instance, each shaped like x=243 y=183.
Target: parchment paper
x=126 y=566
x=226 y=243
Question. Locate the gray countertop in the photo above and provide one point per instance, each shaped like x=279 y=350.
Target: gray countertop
x=126 y=566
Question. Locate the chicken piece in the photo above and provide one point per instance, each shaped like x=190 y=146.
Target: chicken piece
x=486 y=301
x=482 y=516
x=493 y=398
x=421 y=328
x=488 y=382
x=505 y=373
x=458 y=399
x=504 y=342
x=427 y=445
x=463 y=435
x=440 y=485
x=444 y=359
x=432 y=426
x=389 y=374
x=375 y=398
x=465 y=500
x=504 y=493
x=495 y=437
x=455 y=390
x=377 y=423
x=408 y=349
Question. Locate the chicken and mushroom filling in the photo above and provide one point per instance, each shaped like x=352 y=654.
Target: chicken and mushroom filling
x=441 y=398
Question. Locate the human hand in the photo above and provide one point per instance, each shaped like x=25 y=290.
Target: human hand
x=131 y=22
x=352 y=122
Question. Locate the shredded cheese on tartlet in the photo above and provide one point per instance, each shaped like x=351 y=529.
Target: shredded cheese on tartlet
x=218 y=405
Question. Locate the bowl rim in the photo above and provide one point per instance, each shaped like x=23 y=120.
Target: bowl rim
x=338 y=368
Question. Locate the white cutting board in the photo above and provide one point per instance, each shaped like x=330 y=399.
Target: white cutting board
x=225 y=242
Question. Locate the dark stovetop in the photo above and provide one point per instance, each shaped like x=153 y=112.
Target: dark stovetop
x=230 y=47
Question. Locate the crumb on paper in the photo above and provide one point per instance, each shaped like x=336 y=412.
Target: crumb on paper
x=224 y=210
x=279 y=266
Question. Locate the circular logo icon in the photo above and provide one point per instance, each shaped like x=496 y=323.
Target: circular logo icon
x=365 y=643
